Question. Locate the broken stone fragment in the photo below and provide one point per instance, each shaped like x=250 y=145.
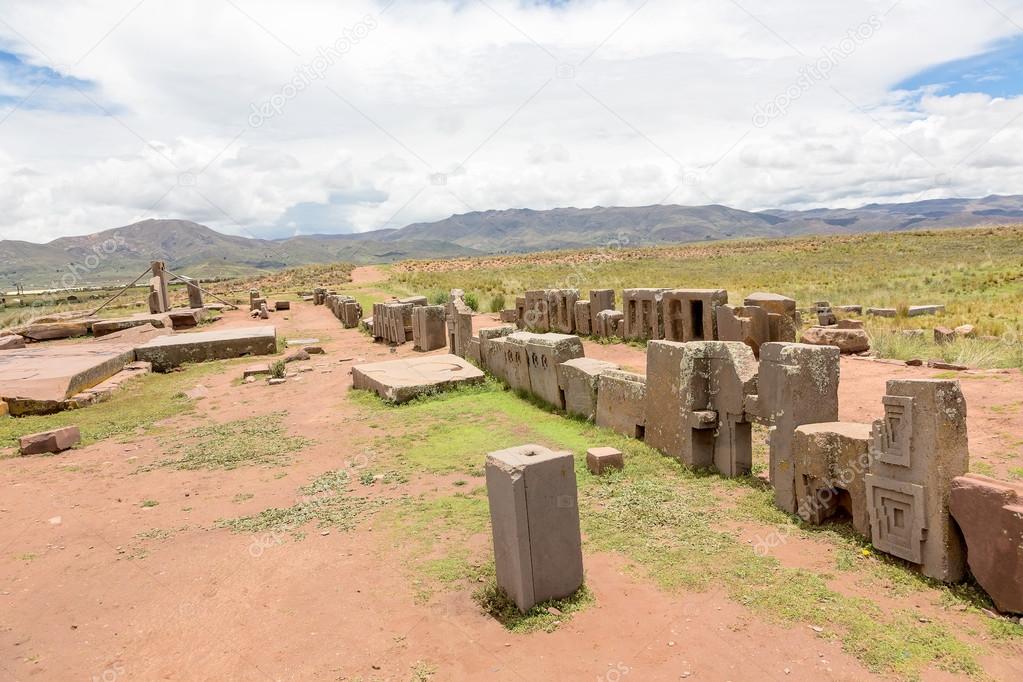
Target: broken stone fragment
x=11 y=342
x=847 y=340
x=599 y=460
x=944 y=335
x=54 y=441
x=297 y=356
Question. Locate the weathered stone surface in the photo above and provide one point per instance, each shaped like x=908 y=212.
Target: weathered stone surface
x=54 y=441
x=459 y=321
x=399 y=381
x=103 y=327
x=610 y=323
x=429 y=327
x=534 y=514
x=916 y=450
x=583 y=324
x=798 y=384
x=621 y=403
x=561 y=307
x=882 y=312
x=851 y=309
x=520 y=312
x=916 y=310
x=850 y=324
x=516 y=361
x=168 y=352
x=599 y=460
x=776 y=303
x=546 y=352
x=282 y=305
x=644 y=316
x=510 y=315
x=194 y=293
x=535 y=314
x=48 y=331
x=11 y=341
x=846 y=340
x=966 y=331
x=695 y=403
x=600 y=300
x=475 y=354
x=830 y=462
x=749 y=324
x=578 y=381
x=990 y=515
x=488 y=355
x=159 y=296
x=38 y=380
x=691 y=314
x=186 y=318
x=300 y=355
x=944 y=335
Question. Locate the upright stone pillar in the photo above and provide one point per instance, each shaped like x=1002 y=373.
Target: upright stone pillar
x=534 y=514
x=159 y=297
x=194 y=294
x=798 y=385
x=916 y=450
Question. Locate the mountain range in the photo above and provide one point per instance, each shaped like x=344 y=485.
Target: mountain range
x=118 y=255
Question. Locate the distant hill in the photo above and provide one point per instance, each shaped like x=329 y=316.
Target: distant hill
x=120 y=254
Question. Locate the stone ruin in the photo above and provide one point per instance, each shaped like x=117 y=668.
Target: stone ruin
x=559 y=310
x=896 y=478
x=345 y=308
x=159 y=296
x=459 y=324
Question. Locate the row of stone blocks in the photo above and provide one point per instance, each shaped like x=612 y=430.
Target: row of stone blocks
x=699 y=401
x=410 y=319
x=681 y=315
x=344 y=308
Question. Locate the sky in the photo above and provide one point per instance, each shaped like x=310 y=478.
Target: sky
x=271 y=119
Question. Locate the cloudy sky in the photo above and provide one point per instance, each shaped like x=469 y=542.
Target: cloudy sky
x=277 y=118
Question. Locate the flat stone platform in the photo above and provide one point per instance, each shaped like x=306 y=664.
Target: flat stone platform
x=399 y=381
x=168 y=352
x=38 y=379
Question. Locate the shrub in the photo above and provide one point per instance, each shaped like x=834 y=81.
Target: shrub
x=472 y=300
x=497 y=303
x=438 y=297
x=278 y=369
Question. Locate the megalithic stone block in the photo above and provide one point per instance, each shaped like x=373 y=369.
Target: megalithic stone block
x=798 y=385
x=748 y=324
x=536 y=315
x=534 y=514
x=831 y=462
x=600 y=300
x=194 y=294
x=429 y=328
x=561 y=304
x=917 y=449
x=578 y=381
x=546 y=352
x=691 y=314
x=621 y=403
x=583 y=320
x=516 y=361
x=488 y=356
x=696 y=397
x=643 y=315
x=990 y=515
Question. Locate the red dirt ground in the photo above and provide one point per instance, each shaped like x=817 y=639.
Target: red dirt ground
x=208 y=604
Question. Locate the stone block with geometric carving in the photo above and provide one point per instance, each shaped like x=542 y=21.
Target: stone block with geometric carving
x=536 y=313
x=831 y=462
x=748 y=324
x=600 y=300
x=696 y=397
x=916 y=450
x=561 y=307
x=691 y=314
x=644 y=318
x=546 y=352
x=488 y=355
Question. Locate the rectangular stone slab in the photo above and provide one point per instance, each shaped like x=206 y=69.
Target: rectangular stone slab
x=36 y=380
x=104 y=327
x=168 y=352
x=399 y=381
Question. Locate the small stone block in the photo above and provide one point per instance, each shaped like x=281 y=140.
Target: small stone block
x=599 y=460
x=50 y=441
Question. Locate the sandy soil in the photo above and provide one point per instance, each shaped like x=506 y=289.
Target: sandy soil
x=79 y=599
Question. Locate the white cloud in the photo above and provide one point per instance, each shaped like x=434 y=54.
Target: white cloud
x=436 y=107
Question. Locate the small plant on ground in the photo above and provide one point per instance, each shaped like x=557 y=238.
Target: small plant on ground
x=278 y=369
x=472 y=300
x=497 y=303
x=546 y=616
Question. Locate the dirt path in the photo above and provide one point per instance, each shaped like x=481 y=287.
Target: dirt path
x=368 y=274
x=90 y=591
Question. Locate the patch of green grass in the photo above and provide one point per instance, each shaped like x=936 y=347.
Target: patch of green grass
x=1016 y=472
x=242 y=497
x=244 y=442
x=324 y=501
x=546 y=616
x=134 y=408
x=278 y=369
x=148 y=503
x=983 y=468
x=1005 y=629
x=153 y=534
